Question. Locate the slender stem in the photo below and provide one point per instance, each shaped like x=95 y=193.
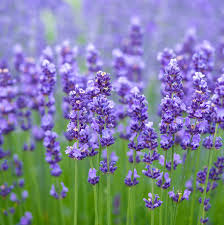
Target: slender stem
x=175 y=214
x=76 y=193
x=210 y=157
x=108 y=190
x=129 y=203
x=100 y=188
x=95 y=201
x=171 y=170
x=152 y=211
x=108 y=200
x=61 y=211
x=95 y=197
x=194 y=186
x=164 y=169
x=162 y=192
x=161 y=210
x=133 y=191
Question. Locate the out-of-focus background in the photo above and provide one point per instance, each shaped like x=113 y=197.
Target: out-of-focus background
x=35 y=23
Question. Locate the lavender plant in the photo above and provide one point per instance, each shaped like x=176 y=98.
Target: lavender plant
x=83 y=146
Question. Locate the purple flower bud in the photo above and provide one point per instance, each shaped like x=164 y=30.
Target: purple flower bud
x=24 y=195
x=13 y=197
x=92 y=178
x=131 y=178
x=149 y=203
x=153 y=173
x=104 y=167
x=26 y=219
x=64 y=190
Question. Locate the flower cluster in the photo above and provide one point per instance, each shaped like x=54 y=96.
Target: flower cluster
x=7 y=100
x=93 y=178
x=179 y=196
x=131 y=178
x=172 y=105
x=56 y=194
x=198 y=111
x=152 y=204
x=94 y=64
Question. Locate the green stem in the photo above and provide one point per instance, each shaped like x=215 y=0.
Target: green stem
x=76 y=193
x=95 y=201
x=129 y=203
x=61 y=211
x=210 y=158
x=95 y=197
x=108 y=200
x=33 y=176
x=108 y=190
x=162 y=192
x=175 y=214
x=194 y=186
x=152 y=211
x=100 y=188
x=161 y=210
x=164 y=169
x=171 y=170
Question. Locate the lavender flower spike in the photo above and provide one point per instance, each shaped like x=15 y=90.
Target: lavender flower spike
x=93 y=178
x=149 y=203
x=179 y=196
x=131 y=180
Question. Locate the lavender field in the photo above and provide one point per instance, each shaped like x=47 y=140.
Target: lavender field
x=111 y=112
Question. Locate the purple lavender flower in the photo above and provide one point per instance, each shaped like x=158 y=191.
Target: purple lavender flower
x=37 y=133
x=217 y=100
x=48 y=77
x=119 y=64
x=76 y=152
x=18 y=166
x=113 y=157
x=206 y=203
x=163 y=180
x=176 y=161
x=131 y=178
x=53 y=192
x=102 y=82
x=53 y=154
x=67 y=54
x=208 y=142
x=149 y=203
x=179 y=196
x=21 y=182
x=94 y=63
x=7 y=103
x=64 y=190
x=164 y=58
x=92 y=178
x=56 y=194
x=5 y=189
x=189 y=185
x=4 y=165
x=203 y=58
x=13 y=197
x=153 y=173
x=24 y=195
x=26 y=219
x=107 y=138
x=204 y=221
x=151 y=157
x=172 y=105
x=104 y=166
x=166 y=141
x=219 y=164
x=130 y=155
